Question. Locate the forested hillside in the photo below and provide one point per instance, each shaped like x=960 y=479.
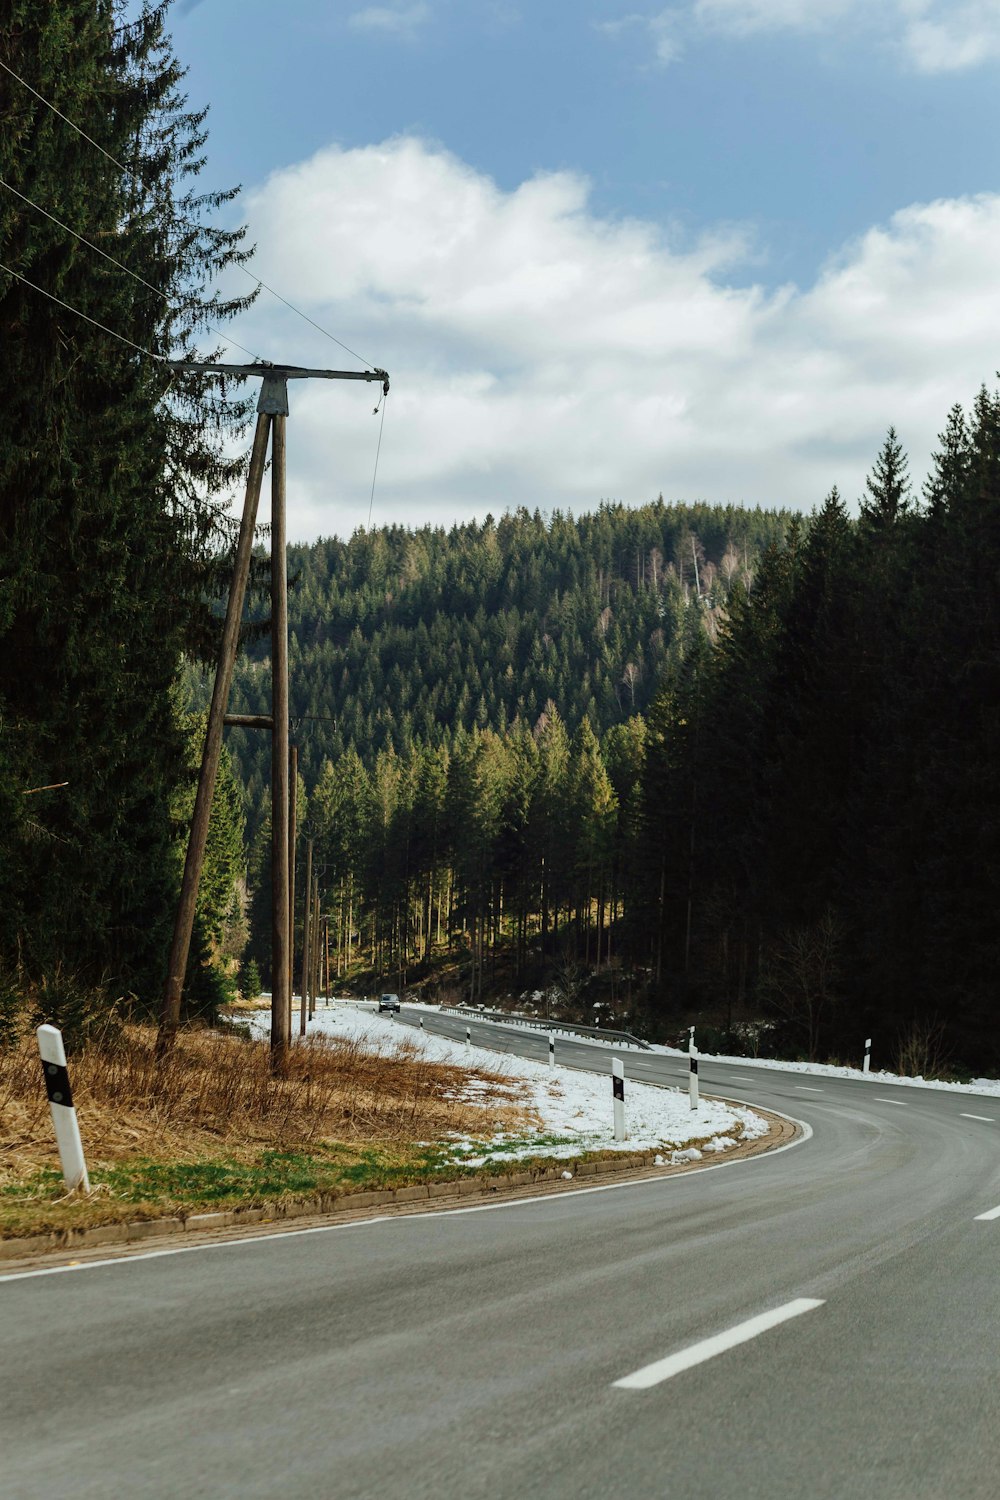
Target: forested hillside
x=408 y=638
x=688 y=759
x=793 y=823
x=821 y=800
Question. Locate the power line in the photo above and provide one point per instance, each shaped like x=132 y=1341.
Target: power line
x=128 y=271
x=378 y=450
x=354 y=355
x=189 y=223
x=59 y=112
x=160 y=359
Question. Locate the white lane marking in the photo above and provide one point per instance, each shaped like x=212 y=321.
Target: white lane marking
x=993 y=1213
x=883 y=1100
x=990 y=1119
x=408 y=1218
x=807 y=1088
x=696 y=1354
x=739 y=1078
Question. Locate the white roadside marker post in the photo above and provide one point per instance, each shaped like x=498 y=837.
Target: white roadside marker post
x=53 y=1055
x=618 y=1095
x=866 y=1065
x=693 y=1074
x=421 y=1023
x=468 y=1036
x=552 y=1049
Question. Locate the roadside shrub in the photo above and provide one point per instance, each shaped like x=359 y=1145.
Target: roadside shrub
x=84 y=1013
x=14 y=1014
x=250 y=985
x=208 y=988
x=921 y=1051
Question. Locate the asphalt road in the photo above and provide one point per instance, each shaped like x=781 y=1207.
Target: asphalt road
x=475 y=1353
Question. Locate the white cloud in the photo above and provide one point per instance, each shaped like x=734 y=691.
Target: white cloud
x=395 y=19
x=665 y=31
x=745 y=16
x=621 y=24
x=942 y=38
x=543 y=355
x=930 y=36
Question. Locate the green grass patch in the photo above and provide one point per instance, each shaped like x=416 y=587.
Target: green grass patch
x=146 y=1187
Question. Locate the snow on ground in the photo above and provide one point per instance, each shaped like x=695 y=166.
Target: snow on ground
x=831 y=1070
x=834 y=1070
x=574 y=1109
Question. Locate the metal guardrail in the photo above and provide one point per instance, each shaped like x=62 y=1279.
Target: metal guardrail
x=625 y=1038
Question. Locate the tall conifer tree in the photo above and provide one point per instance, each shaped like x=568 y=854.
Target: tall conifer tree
x=107 y=465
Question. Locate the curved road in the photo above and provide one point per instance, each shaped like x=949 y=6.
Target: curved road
x=478 y=1352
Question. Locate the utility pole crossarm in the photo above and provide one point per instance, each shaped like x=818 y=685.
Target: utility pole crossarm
x=273 y=400
x=278 y=372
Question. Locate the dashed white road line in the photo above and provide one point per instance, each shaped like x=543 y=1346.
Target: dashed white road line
x=696 y=1354
x=883 y=1100
x=807 y=1088
x=993 y=1213
x=990 y=1119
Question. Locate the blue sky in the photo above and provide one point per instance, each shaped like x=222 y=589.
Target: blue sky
x=610 y=249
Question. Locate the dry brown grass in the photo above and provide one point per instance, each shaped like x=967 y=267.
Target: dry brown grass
x=216 y=1091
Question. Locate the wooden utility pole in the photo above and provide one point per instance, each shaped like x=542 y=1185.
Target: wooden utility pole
x=311 y=989
x=184 y=923
x=293 y=838
x=306 y=954
x=281 y=996
x=272 y=409
x=317 y=947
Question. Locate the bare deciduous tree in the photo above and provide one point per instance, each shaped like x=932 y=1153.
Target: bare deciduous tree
x=920 y=1052
x=801 y=977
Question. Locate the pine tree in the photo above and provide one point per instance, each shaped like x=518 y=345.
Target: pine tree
x=887 y=486
x=107 y=537
x=815 y=739
x=956 y=654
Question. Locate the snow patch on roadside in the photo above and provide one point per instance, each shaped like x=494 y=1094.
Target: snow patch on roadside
x=573 y=1109
x=989 y=1086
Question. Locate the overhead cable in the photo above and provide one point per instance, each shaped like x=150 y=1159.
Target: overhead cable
x=160 y=358
x=128 y=271
x=384 y=403
x=186 y=222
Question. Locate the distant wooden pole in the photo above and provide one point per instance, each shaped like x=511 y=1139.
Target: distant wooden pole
x=293 y=792
x=281 y=997
x=170 y=1012
x=310 y=984
x=316 y=947
x=306 y=903
x=310 y=993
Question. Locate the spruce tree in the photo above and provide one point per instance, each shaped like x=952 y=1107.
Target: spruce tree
x=106 y=471
x=887 y=487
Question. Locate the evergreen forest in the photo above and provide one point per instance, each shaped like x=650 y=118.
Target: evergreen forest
x=653 y=763
x=670 y=761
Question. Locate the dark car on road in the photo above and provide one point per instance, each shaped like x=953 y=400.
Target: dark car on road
x=388 y=1002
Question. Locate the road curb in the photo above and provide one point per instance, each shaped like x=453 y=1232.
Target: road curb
x=351 y=1205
